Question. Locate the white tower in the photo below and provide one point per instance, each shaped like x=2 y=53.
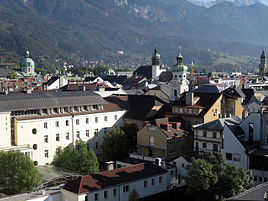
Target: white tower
x=179 y=83
x=155 y=65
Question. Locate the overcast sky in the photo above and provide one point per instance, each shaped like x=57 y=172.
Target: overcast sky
x=263 y=1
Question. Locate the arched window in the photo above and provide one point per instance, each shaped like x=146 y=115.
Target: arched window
x=175 y=92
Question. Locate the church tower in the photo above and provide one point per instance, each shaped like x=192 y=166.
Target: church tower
x=156 y=65
x=27 y=64
x=179 y=83
x=263 y=66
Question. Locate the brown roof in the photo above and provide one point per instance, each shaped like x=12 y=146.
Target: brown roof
x=110 y=178
x=113 y=104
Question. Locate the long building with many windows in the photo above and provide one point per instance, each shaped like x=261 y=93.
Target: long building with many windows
x=38 y=123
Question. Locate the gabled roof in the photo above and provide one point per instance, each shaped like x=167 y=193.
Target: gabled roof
x=208 y=88
x=234 y=92
x=204 y=100
x=218 y=124
x=144 y=71
x=114 y=177
x=165 y=76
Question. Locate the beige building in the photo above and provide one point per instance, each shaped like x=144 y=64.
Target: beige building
x=163 y=139
x=38 y=123
x=197 y=107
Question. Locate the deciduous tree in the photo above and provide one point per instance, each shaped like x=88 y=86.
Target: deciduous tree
x=17 y=172
x=78 y=159
x=211 y=178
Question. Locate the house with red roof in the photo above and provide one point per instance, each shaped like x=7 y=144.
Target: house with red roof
x=113 y=185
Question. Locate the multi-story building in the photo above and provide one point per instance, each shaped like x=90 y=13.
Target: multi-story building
x=163 y=139
x=210 y=136
x=146 y=178
x=197 y=107
x=38 y=123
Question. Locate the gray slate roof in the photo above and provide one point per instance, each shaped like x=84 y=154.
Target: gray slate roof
x=20 y=101
x=218 y=124
x=253 y=194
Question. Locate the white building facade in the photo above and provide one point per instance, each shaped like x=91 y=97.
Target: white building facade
x=59 y=119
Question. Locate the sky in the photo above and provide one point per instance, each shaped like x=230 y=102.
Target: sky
x=263 y=1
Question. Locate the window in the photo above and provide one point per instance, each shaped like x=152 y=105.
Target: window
x=228 y=156
x=145 y=184
x=67 y=136
x=151 y=140
x=215 y=147
x=77 y=121
x=67 y=122
x=45 y=125
x=204 y=145
x=87 y=133
x=114 y=191
x=250 y=131
x=57 y=137
x=205 y=134
x=265 y=179
x=96 y=132
x=236 y=157
x=34 y=131
x=105 y=194
x=160 y=180
x=105 y=118
x=152 y=182
x=182 y=165
x=260 y=179
x=78 y=134
x=57 y=124
x=96 y=196
x=115 y=117
x=125 y=188
x=97 y=145
x=46 y=138
x=214 y=135
x=46 y=153
x=175 y=92
x=105 y=131
x=255 y=178
x=87 y=120
x=171 y=172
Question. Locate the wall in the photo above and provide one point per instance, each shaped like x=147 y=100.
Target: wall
x=232 y=145
x=209 y=140
x=25 y=135
x=214 y=111
x=255 y=119
x=5 y=129
x=69 y=196
x=160 y=140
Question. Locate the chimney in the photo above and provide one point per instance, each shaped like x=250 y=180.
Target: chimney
x=166 y=127
x=28 y=91
x=265 y=196
x=110 y=165
x=176 y=125
x=101 y=88
x=84 y=88
x=61 y=81
x=189 y=98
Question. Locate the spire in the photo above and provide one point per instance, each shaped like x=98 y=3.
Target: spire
x=27 y=54
x=179 y=57
x=155 y=57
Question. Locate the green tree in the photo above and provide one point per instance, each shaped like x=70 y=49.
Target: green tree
x=17 y=172
x=133 y=196
x=99 y=70
x=77 y=158
x=12 y=75
x=130 y=130
x=211 y=178
x=115 y=145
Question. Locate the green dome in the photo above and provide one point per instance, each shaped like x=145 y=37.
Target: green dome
x=109 y=72
x=179 y=68
x=27 y=61
x=156 y=55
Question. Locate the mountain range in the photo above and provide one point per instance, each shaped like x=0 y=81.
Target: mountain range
x=97 y=30
x=213 y=3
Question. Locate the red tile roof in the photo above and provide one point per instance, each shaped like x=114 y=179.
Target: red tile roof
x=106 y=179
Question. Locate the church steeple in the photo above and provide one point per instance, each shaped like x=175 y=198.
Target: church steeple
x=263 y=57
x=263 y=66
x=155 y=58
x=179 y=57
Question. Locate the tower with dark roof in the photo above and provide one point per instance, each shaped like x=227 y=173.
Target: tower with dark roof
x=156 y=69
x=263 y=66
x=27 y=64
